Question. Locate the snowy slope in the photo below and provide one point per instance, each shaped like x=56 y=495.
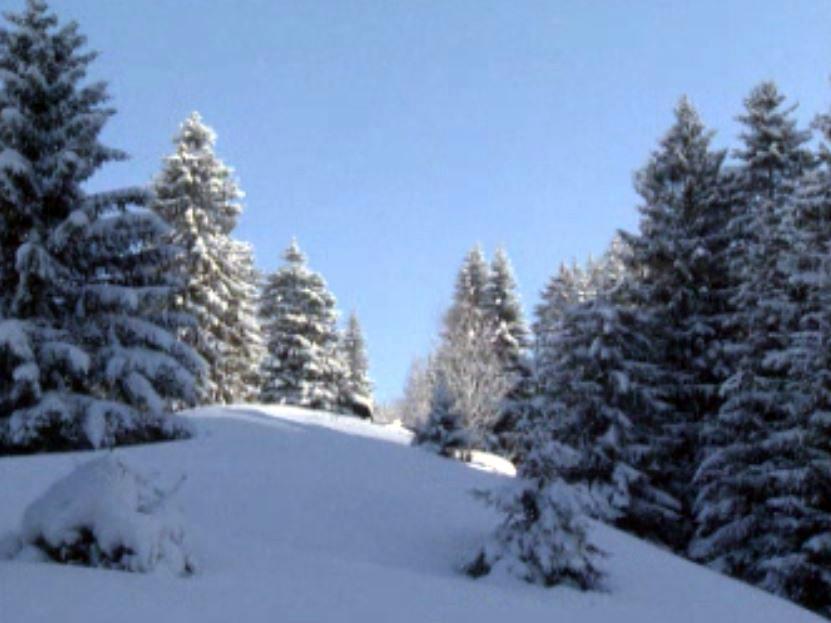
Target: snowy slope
x=305 y=517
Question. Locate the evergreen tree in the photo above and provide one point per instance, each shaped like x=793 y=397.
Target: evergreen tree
x=542 y=539
x=597 y=402
x=755 y=502
x=197 y=195
x=510 y=345
x=566 y=287
x=444 y=430
x=357 y=391
x=86 y=357
x=502 y=308
x=471 y=289
x=800 y=569
x=302 y=365
x=676 y=263
x=246 y=349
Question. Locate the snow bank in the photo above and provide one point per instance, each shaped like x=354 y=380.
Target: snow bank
x=104 y=514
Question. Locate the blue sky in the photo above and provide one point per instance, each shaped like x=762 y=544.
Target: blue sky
x=390 y=137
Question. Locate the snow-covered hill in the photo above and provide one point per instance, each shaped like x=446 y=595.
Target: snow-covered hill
x=299 y=516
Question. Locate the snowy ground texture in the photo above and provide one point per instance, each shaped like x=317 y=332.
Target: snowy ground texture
x=298 y=516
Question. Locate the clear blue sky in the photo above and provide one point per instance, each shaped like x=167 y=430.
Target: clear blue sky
x=389 y=136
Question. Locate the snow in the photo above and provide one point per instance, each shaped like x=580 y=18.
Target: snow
x=305 y=516
x=127 y=516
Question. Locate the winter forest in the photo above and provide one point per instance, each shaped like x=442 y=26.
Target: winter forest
x=677 y=388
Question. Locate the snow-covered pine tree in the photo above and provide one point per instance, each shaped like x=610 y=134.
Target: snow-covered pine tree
x=197 y=195
x=444 y=430
x=471 y=289
x=86 y=359
x=543 y=537
x=302 y=365
x=567 y=287
x=503 y=309
x=357 y=389
x=125 y=314
x=510 y=345
x=241 y=366
x=595 y=407
x=802 y=572
x=677 y=265
x=750 y=503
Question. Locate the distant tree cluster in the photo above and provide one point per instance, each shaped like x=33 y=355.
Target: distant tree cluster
x=457 y=398
x=119 y=307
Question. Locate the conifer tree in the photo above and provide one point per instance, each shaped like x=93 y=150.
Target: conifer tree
x=302 y=365
x=470 y=293
x=751 y=514
x=444 y=430
x=510 y=345
x=542 y=538
x=567 y=287
x=502 y=308
x=196 y=193
x=798 y=568
x=599 y=396
x=357 y=390
x=86 y=356
x=678 y=279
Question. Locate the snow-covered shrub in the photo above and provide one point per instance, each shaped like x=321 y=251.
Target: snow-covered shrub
x=105 y=514
x=542 y=539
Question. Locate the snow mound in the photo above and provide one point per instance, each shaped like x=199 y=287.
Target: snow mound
x=105 y=514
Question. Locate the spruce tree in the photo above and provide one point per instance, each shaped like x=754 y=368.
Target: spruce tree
x=599 y=396
x=86 y=354
x=444 y=431
x=470 y=292
x=510 y=345
x=752 y=515
x=801 y=568
x=302 y=365
x=543 y=537
x=567 y=287
x=677 y=272
x=357 y=389
x=502 y=308
x=196 y=193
